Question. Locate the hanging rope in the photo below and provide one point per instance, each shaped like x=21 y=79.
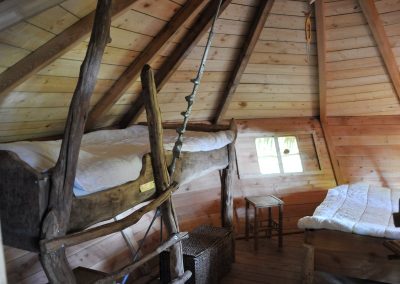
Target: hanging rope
x=176 y=152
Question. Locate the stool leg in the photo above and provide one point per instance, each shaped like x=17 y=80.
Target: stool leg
x=269 y=231
x=247 y=221
x=255 y=229
x=280 y=225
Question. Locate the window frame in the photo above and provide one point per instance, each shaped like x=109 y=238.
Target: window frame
x=296 y=134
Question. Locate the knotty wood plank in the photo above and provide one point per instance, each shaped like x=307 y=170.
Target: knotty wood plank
x=131 y=74
x=52 y=49
x=243 y=59
x=200 y=27
x=375 y=23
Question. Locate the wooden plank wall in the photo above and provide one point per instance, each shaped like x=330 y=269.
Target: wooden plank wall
x=367 y=149
x=230 y=31
x=197 y=203
x=301 y=192
x=357 y=81
x=279 y=80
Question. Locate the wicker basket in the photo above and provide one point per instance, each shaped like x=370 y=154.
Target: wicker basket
x=207 y=253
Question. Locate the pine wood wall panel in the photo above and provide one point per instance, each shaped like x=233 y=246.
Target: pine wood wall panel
x=279 y=80
x=367 y=149
x=197 y=203
x=357 y=80
x=231 y=28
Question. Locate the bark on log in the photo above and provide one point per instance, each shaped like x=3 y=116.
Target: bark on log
x=227 y=181
x=56 y=221
x=161 y=176
x=49 y=246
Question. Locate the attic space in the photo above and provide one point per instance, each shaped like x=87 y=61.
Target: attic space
x=151 y=141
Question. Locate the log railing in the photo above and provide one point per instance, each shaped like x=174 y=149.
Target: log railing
x=55 y=223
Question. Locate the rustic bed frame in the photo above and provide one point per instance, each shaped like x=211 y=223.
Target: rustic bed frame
x=24 y=194
x=349 y=255
x=40 y=213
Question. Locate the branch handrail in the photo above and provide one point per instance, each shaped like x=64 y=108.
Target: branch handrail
x=132 y=266
x=48 y=246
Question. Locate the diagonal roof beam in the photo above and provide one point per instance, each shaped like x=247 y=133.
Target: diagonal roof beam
x=200 y=27
x=375 y=24
x=133 y=71
x=54 y=48
x=243 y=59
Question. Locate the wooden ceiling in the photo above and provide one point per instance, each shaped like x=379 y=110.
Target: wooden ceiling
x=257 y=67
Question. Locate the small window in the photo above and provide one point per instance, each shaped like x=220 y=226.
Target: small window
x=278 y=155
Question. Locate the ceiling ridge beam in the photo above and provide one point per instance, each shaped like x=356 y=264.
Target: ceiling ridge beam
x=52 y=49
x=130 y=75
x=172 y=63
x=378 y=31
x=255 y=31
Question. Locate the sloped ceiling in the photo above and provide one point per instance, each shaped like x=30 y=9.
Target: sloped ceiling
x=280 y=80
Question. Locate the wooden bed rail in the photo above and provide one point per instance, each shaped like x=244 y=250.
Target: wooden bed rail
x=49 y=246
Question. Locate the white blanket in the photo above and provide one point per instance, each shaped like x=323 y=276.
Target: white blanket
x=109 y=158
x=357 y=208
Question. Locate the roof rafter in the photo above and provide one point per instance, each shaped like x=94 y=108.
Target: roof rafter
x=130 y=75
x=255 y=30
x=172 y=63
x=321 y=49
x=54 y=48
x=378 y=31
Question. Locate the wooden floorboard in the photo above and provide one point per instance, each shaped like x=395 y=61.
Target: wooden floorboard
x=268 y=265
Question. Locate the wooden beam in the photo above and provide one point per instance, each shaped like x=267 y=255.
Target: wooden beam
x=227 y=183
x=52 y=49
x=243 y=59
x=321 y=49
x=378 y=31
x=321 y=42
x=194 y=35
x=159 y=164
x=55 y=223
x=51 y=246
x=130 y=75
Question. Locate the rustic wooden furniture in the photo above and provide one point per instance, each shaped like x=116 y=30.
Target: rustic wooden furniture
x=350 y=255
x=259 y=202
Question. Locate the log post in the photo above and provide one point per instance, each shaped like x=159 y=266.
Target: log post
x=307 y=276
x=56 y=221
x=159 y=164
x=227 y=181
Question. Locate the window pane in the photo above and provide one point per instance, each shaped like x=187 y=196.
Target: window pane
x=267 y=155
x=289 y=151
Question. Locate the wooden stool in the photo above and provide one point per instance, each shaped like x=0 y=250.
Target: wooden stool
x=267 y=201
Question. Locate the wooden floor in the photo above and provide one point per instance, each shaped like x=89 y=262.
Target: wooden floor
x=268 y=265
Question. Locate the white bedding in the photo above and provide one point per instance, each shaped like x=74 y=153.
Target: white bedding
x=109 y=158
x=357 y=208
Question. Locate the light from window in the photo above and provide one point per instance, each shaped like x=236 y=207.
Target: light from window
x=278 y=155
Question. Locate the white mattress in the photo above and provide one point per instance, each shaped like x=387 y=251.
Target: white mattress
x=109 y=158
x=357 y=208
